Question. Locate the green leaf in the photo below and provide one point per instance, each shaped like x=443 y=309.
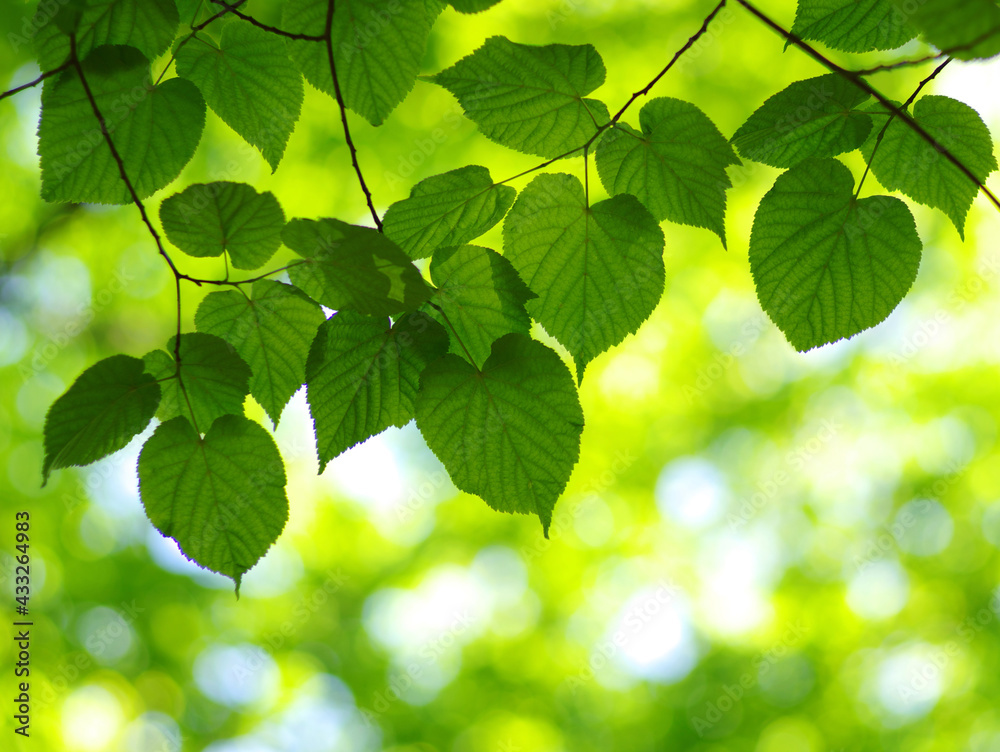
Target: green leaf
x=106 y=406
x=472 y=6
x=362 y=376
x=216 y=380
x=509 y=433
x=906 y=162
x=208 y=219
x=221 y=497
x=155 y=129
x=676 y=166
x=148 y=25
x=271 y=331
x=967 y=29
x=810 y=118
x=530 y=98
x=249 y=82
x=827 y=266
x=377 y=48
x=598 y=272
x=353 y=268
x=482 y=296
x=853 y=25
x=447 y=210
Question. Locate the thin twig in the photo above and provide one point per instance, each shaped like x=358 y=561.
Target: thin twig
x=232 y=8
x=238 y=282
x=950 y=52
x=888 y=122
x=47 y=74
x=859 y=81
x=677 y=56
x=328 y=36
x=899 y=64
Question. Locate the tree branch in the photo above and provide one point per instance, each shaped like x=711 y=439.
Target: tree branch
x=47 y=74
x=859 y=81
x=328 y=36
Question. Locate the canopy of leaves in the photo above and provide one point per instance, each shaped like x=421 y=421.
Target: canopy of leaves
x=853 y=26
x=212 y=379
x=154 y=128
x=271 y=330
x=509 y=433
x=906 y=162
x=676 y=166
x=447 y=210
x=811 y=118
x=249 y=81
x=220 y=496
x=726 y=482
x=363 y=376
x=377 y=49
x=106 y=406
x=597 y=270
x=354 y=268
x=530 y=98
x=825 y=264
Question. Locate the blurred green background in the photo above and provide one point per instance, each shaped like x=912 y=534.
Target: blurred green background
x=759 y=550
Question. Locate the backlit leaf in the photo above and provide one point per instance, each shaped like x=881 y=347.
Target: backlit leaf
x=530 y=98
x=106 y=406
x=598 y=271
x=221 y=496
x=826 y=265
x=363 y=376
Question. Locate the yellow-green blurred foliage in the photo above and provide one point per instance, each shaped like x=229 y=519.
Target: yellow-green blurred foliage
x=759 y=550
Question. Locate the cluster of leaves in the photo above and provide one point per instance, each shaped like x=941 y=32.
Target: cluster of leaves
x=452 y=349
